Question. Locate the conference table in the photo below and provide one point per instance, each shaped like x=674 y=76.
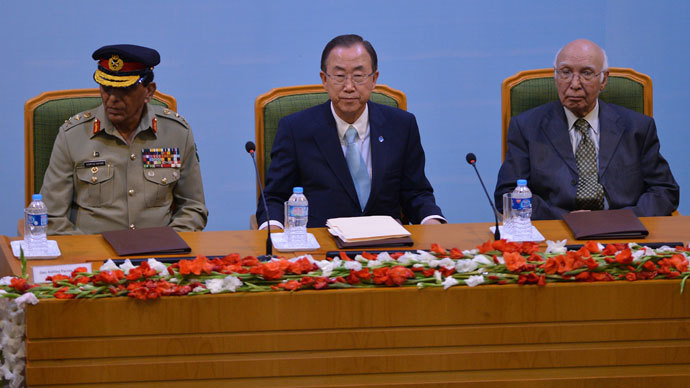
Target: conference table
x=602 y=334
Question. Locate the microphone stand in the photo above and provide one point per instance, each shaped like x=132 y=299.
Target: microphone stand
x=251 y=148
x=471 y=159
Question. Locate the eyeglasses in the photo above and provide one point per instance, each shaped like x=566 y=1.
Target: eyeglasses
x=340 y=79
x=585 y=75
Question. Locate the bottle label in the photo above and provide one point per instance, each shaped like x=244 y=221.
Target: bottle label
x=298 y=211
x=37 y=219
x=522 y=203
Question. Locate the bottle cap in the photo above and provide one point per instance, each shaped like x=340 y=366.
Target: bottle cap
x=522 y=182
x=36 y=197
x=297 y=190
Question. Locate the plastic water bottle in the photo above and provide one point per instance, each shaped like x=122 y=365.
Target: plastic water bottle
x=296 y=217
x=35 y=224
x=522 y=209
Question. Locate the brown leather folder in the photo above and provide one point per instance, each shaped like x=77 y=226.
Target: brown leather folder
x=158 y=240
x=605 y=224
x=386 y=242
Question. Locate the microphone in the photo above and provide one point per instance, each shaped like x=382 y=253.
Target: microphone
x=472 y=159
x=251 y=149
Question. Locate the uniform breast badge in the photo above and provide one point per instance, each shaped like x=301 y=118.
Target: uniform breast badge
x=161 y=157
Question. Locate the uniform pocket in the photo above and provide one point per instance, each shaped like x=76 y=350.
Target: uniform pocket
x=159 y=184
x=94 y=185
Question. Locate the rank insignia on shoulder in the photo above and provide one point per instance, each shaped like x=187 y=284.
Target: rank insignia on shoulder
x=154 y=125
x=96 y=126
x=161 y=157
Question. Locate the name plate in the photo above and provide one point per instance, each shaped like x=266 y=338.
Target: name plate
x=43 y=271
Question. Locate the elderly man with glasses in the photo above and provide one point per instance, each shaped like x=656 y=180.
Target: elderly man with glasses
x=353 y=157
x=580 y=153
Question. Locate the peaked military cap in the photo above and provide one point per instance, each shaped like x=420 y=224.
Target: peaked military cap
x=123 y=65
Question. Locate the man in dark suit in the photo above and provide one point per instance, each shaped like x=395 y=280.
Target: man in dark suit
x=353 y=157
x=581 y=153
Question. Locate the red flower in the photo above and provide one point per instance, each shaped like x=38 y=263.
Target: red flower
x=307 y=281
x=542 y=280
x=609 y=250
x=19 y=284
x=62 y=294
x=455 y=254
x=344 y=256
x=301 y=266
x=515 y=262
x=78 y=270
x=196 y=266
x=250 y=261
x=56 y=278
x=649 y=266
x=583 y=277
x=320 y=283
x=398 y=275
x=592 y=246
x=271 y=270
x=381 y=275
x=357 y=276
x=602 y=276
x=438 y=250
x=551 y=265
x=369 y=256
x=630 y=276
x=529 y=247
x=591 y=263
x=624 y=257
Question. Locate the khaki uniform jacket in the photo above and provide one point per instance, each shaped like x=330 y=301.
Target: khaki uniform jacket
x=96 y=182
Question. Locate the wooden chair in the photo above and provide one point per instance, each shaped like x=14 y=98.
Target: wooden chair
x=272 y=106
x=531 y=88
x=43 y=116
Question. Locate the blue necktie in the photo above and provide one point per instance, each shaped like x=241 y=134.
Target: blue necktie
x=357 y=166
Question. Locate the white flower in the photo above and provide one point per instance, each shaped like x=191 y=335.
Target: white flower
x=645 y=251
x=666 y=248
x=447 y=263
x=214 y=285
x=384 y=257
x=374 y=263
x=6 y=281
x=26 y=298
x=352 y=265
x=466 y=265
x=500 y=259
x=474 y=280
x=470 y=252
x=437 y=276
x=109 y=265
x=230 y=283
x=298 y=258
x=407 y=258
x=425 y=257
x=555 y=246
x=418 y=265
x=198 y=289
x=159 y=267
x=126 y=266
x=327 y=267
x=3 y=292
x=481 y=259
x=449 y=282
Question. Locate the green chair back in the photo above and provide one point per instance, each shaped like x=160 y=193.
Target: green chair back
x=531 y=88
x=45 y=114
x=280 y=102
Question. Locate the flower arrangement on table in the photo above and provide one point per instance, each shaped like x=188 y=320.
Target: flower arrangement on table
x=494 y=262
x=497 y=262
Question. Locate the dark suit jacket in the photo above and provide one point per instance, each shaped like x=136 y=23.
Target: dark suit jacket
x=307 y=152
x=631 y=168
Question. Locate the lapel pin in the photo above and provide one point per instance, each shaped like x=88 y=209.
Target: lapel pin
x=380 y=139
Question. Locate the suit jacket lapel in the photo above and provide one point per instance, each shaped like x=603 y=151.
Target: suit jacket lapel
x=379 y=150
x=609 y=135
x=555 y=127
x=326 y=138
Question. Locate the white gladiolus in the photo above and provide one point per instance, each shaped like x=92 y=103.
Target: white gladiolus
x=450 y=282
x=466 y=265
x=555 y=246
x=353 y=265
x=481 y=259
x=474 y=280
x=109 y=265
x=126 y=266
x=159 y=267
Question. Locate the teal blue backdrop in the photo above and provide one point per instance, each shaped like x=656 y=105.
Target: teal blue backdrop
x=449 y=57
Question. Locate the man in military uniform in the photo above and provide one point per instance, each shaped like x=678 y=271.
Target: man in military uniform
x=126 y=163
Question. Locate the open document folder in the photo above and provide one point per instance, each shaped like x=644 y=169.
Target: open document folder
x=367 y=228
